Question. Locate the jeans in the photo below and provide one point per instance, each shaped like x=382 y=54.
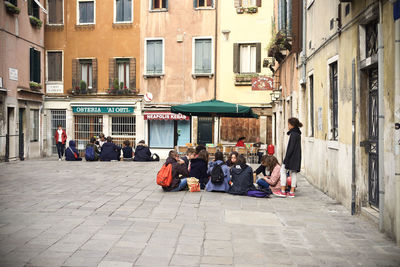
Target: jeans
x=182 y=185
x=261 y=182
x=293 y=174
x=60 y=149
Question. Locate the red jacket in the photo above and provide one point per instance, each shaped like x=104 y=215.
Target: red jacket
x=240 y=143
x=63 y=136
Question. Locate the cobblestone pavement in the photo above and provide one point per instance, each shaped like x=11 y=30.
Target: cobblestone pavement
x=113 y=214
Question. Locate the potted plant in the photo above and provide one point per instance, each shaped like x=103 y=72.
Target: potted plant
x=82 y=86
x=35 y=22
x=35 y=86
x=252 y=10
x=11 y=9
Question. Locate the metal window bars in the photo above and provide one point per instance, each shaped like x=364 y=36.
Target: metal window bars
x=86 y=127
x=58 y=117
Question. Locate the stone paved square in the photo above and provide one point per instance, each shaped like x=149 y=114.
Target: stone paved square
x=113 y=214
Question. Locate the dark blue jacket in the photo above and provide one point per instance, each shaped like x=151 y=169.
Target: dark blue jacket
x=242 y=180
x=69 y=155
x=198 y=169
x=127 y=151
x=142 y=153
x=109 y=151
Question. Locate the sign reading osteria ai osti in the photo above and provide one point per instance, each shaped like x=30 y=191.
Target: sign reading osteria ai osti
x=94 y=109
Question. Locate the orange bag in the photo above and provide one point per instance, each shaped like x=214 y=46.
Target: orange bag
x=164 y=175
x=193 y=184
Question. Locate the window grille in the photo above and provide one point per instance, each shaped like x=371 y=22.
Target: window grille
x=86 y=127
x=124 y=126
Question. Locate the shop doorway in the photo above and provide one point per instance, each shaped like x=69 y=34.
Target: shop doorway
x=204 y=131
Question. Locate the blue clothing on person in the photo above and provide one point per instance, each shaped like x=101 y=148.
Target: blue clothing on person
x=110 y=151
x=224 y=186
x=69 y=152
x=142 y=153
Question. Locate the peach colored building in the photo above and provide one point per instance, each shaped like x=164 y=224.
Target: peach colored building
x=21 y=78
x=177 y=66
x=92 y=70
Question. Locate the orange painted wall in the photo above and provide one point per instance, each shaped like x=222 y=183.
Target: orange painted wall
x=104 y=40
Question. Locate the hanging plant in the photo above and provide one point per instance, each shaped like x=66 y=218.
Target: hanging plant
x=35 y=22
x=35 y=86
x=11 y=9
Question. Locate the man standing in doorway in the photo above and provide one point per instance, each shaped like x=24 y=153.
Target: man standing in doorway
x=60 y=137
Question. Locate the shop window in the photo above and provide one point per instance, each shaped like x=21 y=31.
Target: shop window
x=34 y=130
x=124 y=126
x=55 y=12
x=161 y=133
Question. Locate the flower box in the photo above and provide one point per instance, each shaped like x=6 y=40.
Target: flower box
x=11 y=9
x=35 y=86
x=240 y=10
x=35 y=22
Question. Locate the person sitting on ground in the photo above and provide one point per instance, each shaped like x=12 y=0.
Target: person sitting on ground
x=242 y=178
x=272 y=181
x=71 y=153
x=142 y=152
x=232 y=159
x=262 y=169
x=240 y=142
x=91 y=145
x=222 y=186
x=198 y=168
x=179 y=173
x=190 y=154
x=109 y=150
x=199 y=148
x=101 y=140
x=127 y=151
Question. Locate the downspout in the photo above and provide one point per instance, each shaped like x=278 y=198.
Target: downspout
x=304 y=42
x=216 y=51
x=353 y=139
x=397 y=120
x=381 y=118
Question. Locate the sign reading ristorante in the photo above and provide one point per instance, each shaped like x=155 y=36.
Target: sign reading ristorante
x=94 y=109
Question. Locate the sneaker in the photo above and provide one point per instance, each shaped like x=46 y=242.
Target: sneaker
x=291 y=194
x=59 y=159
x=280 y=194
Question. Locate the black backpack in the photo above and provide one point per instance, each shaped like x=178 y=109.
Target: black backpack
x=217 y=175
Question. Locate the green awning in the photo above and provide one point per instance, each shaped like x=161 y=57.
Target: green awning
x=214 y=108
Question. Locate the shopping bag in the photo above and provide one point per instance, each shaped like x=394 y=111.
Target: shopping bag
x=193 y=184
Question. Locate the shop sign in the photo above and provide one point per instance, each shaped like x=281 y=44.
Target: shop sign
x=165 y=116
x=94 y=109
x=262 y=83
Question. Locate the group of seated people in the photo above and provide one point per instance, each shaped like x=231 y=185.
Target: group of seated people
x=237 y=175
x=104 y=149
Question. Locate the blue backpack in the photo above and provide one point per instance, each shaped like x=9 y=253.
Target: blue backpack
x=89 y=153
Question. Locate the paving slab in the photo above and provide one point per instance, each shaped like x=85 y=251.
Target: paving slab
x=113 y=214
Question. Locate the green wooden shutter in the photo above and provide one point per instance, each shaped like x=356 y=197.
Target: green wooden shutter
x=236 y=58
x=166 y=4
x=258 y=57
x=195 y=3
x=31 y=64
x=94 y=74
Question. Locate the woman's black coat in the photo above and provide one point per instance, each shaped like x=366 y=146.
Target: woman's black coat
x=292 y=159
x=242 y=179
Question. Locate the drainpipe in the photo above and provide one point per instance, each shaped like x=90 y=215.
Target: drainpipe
x=353 y=140
x=216 y=50
x=304 y=41
x=397 y=120
x=381 y=118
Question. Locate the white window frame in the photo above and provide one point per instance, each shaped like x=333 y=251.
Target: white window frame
x=80 y=66
x=310 y=125
x=115 y=14
x=250 y=3
x=127 y=59
x=194 y=57
x=145 y=56
x=329 y=62
x=206 y=7
x=158 y=9
x=55 y=24
x=77 y=12
x=254 y=43
x=62 y=67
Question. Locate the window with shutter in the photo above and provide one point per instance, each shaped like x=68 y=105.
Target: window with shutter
x=249 y=3
x=14 y=2
x=154 y=57
x=159 y=4
x=202 y=56
x=55 y=12
x=86 y=12
x=123 y=72
x=54 y=66
x=248 y=58
x=203 y=3
x=238 y=3
x=86 y=73
x=34 y=65
x=333 y=77
x=33 y=9
x=123 y=11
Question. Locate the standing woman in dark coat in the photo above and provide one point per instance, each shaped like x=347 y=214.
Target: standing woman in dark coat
x=292 y=159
